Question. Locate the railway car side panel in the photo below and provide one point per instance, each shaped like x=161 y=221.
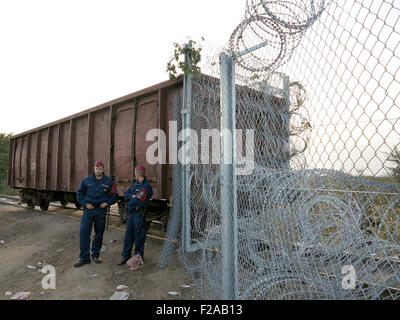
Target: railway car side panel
x=147 y=118
x=65 y=154
x=79 y=164
x=24 y=160
x=43 y=152
x=31 y=163
x=99 y=148
x=53 y=158
x=19 y=158
x=123 y=146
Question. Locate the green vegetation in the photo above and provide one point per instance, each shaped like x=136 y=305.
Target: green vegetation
x=4 y=147
x=177 y=65
x=394 y=156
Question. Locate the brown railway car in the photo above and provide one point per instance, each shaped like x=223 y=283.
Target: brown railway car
x=49 y=162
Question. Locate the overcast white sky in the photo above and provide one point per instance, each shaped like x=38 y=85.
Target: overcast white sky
x=58 y=57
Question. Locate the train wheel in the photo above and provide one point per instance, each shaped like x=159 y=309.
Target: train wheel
x=63 y=203
x=30 y=205
x=78 y=205
x=44 y=205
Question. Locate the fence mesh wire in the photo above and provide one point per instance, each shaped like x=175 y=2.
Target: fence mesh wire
x=319 y=215
x=172 y=234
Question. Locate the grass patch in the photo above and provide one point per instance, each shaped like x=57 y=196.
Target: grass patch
x=5 y=189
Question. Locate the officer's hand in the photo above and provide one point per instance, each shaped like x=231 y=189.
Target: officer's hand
x=104 y=205
x=89 y=206
x=134 y=196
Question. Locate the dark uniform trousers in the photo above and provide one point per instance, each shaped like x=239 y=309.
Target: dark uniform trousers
x=97 y=218
x=135 y=234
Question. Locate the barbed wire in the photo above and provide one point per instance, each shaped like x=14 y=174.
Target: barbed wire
x=304 y=212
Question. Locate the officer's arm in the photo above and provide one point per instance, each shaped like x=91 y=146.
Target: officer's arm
x=81 y=193
x=143 y=195
x=128 y=193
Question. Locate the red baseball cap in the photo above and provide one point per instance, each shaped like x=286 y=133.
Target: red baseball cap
x=99 y=163
x=141 y=168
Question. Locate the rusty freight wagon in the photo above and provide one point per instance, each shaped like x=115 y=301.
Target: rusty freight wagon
x=49 y=162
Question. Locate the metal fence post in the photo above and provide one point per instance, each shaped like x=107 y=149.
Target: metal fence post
x=228 y=180
x=187 y=100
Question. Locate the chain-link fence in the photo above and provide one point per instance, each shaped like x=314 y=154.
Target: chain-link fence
x=309 y=210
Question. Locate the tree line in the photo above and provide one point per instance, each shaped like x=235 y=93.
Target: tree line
x=4 y=149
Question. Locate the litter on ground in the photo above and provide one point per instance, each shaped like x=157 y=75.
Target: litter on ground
x=135 y=262
x=21 y=295
x=121 y=287
x=123 y=295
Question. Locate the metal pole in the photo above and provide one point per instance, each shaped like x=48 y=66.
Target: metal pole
x=228 y=180
x=187 y=100
x=246 y=51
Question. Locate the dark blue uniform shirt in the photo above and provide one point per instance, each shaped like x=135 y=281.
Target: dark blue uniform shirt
x=96 y=191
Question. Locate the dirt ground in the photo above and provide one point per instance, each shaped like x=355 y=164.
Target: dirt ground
x=32 y=237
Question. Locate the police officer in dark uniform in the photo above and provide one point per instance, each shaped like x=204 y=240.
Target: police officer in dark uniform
x=137 y=197
x=95 y=194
